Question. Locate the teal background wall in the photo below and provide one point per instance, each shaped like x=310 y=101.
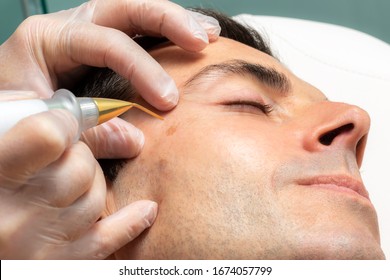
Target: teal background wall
x=370 y=16
x=10 y=16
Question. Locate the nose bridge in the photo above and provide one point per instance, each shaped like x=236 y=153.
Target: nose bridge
x=335 y=125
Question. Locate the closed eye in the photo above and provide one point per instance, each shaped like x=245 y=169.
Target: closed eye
x=250 y=106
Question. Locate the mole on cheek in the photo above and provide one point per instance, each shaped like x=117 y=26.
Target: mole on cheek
x=171 y=130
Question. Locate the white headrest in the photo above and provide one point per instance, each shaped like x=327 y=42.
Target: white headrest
x=347 y=66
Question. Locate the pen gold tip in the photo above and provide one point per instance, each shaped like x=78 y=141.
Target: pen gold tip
x=147 y=111
x=110 y=108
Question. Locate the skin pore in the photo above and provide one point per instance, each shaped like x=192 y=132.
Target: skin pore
x=248 y=166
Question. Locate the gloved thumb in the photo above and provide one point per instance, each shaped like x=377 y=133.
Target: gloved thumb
x=114 y=139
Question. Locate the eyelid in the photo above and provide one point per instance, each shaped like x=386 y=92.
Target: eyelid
x=265 y=108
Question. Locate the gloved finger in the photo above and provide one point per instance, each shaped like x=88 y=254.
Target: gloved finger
x=44 y=232
x=62 y=182
x=114 y=139
x=111 y=233
x=87 y=209
x=157 y=18
x=34 y=143
x=87 y=43
x=8 y=95
x=209 y=24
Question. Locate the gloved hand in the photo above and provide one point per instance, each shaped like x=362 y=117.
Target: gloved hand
x=53 y=193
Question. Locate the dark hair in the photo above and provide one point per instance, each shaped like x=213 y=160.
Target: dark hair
x=103 y=82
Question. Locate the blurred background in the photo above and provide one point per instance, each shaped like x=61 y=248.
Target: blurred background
x=371 y=16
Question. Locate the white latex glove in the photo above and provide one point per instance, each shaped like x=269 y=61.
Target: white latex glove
x=39 y=216
x=52 y=194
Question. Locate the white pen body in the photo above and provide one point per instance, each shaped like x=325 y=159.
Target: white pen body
x=11 y=112
x=84 y=109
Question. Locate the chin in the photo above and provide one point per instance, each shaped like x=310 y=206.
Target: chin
x=341 y=247
x=343 y=253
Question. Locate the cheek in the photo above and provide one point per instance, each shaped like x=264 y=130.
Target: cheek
x=246 y=146
x=219 y=164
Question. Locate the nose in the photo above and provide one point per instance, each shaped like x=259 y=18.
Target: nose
x=331 y=125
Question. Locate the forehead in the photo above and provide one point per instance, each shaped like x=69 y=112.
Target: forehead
x=181 y=64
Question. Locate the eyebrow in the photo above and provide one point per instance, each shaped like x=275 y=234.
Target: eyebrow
x=264 y=74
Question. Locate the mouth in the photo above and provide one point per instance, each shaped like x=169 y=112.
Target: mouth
x=341 y=183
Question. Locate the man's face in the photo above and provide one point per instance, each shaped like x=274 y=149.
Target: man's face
x=252 y=163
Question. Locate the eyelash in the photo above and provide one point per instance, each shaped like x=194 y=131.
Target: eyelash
x=244 y=105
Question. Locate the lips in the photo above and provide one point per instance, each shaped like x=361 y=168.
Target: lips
x=342 y=182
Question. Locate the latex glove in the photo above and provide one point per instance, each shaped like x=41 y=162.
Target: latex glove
x=52 y=194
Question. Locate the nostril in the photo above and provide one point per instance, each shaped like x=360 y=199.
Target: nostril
x=327 y=138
